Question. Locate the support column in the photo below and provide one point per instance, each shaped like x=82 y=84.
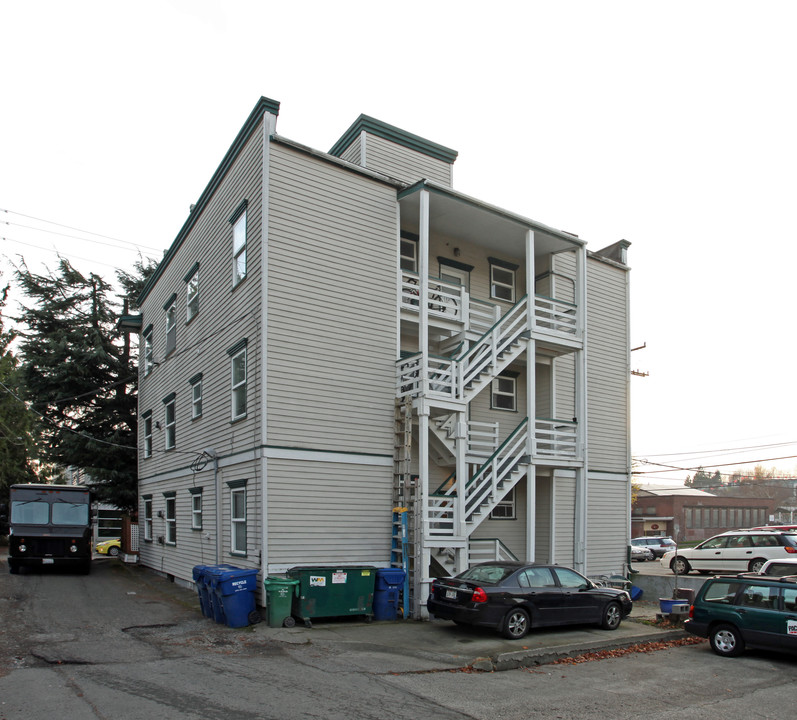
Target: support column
x=582 y=496
x=531 y=404
x=423 y=408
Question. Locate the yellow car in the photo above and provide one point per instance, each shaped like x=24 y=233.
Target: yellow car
x=109 y=547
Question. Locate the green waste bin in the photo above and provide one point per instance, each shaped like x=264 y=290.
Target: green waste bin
x=280 y=592
x=333 y=591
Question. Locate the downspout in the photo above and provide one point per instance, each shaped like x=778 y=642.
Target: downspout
x=580 y=530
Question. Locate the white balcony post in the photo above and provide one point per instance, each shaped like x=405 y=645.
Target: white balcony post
x=531 y=401
x=423 y=289
x=580 y=539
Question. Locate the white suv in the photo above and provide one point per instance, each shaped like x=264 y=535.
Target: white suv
x=734 y=551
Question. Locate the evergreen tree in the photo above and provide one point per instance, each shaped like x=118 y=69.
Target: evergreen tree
x=79 y=373
x=16 y=421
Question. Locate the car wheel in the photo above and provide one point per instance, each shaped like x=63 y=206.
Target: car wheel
x=113 y=551
x=680 y=566
x=756 y=565
x=726 y=641
x=516 y=624
x=612 y=615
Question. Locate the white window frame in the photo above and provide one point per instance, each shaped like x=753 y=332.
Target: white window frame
x=192 y=296
x=505 y=509
x=148 y=357
x=148 y=435
x=496 y=391
x=408 y=262
x=196 y=398
x=196 y=511
x=171 y=327
x=170 y=422
x=148 y=519
x=170 y=515
x=239 y=248
x=238 y=385
x=502 y=288
x=238 y=522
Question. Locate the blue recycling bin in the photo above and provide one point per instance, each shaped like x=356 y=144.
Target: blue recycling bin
x=387 y=592
x=210 y=574
x=202 y=590
x=235 y=594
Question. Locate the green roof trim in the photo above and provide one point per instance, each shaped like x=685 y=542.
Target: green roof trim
x=264 y=105
x=130 y=322
x=393 y=134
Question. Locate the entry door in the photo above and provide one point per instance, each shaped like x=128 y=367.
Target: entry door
x=455 y=275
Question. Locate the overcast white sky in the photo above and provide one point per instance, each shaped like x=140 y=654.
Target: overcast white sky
x=671 y=125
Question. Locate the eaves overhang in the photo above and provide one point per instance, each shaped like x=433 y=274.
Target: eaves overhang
x=263 y=105
x=455 y=214
x=130 y=323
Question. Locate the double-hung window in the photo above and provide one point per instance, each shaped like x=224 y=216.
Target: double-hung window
x=170 y=418
x=196 y=396
x=409 y=254
x=504 y=393
x=505 y=509
x=171 y=324
x=192 y=293
x=147 y=433
x=148 y=518
x=148 y=362
x=196 y=508
x=238 y=516
x=171 y=518
x=502 y=279
x=237 y=355
x=238 y=221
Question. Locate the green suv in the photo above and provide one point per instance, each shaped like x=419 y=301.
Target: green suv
x=734 y=611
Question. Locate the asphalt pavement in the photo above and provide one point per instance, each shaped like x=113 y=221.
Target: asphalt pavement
x=413 y=646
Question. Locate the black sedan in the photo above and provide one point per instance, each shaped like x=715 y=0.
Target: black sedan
x=514 y=597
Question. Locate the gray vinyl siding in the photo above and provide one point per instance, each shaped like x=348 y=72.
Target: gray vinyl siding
x=331 y=307
x=564 y=402
x=508 y=420
x=326 y=513
x=353 y=153
x=402 y=163
x=607 y=368
x=542 y=526
x=564 y=519
x=202 y=343
x=607 y=523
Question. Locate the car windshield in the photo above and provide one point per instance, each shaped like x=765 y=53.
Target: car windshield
x=487 y=573
x=66 y=513
x=667 y=541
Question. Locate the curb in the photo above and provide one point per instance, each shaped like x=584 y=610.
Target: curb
x=545 y=656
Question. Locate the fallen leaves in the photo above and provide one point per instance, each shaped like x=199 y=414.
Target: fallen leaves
x=647 y=647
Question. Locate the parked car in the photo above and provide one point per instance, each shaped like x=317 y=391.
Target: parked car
x=784 y=566
x=641 y=553
x=736 y=550
x=746 y=610
x=109 y=547
x=513 y=597
x=658 y=544
x=783 y=528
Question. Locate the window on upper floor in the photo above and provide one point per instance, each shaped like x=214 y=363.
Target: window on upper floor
x=196 y=508
x=148 y=359
x=170 y=425
x=196 y=396
x=409 y=254
x=237 y=355
x=171 y=518
x=148 y=518
x=503 y=394
x=502 y=280
x=147 y=433
x=238 y=221
x=192 y=294
x=171 y=324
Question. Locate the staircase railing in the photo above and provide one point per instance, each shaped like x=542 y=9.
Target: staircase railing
x=555 y=439
x=484 y=549
x=555 y=315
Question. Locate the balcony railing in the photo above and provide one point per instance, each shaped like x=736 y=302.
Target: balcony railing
x=447 y=300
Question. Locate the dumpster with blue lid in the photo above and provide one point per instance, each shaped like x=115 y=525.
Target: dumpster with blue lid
x=387 y=593
x=234 y=591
